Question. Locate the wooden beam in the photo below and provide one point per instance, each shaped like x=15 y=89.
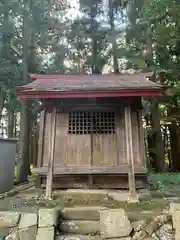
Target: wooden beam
x=130 y=159
x=121 y=169
x=52 y=136
x=29 y=94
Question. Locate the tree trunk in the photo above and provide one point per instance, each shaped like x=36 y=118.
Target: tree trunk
x=24 y=167
x=10 y=116
x=157 y=137
x=2 y=99
x=159 y=156
x=5 y=50
x=174 y=142
x=24 y=133
x=113 y=37
x=95 y=66
x=10 y=123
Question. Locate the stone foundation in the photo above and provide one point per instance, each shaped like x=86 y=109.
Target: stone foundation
x=29 y=226
x=112 y=224
x=115 y=225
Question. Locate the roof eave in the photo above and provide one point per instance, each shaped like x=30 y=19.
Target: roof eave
x=25 y=94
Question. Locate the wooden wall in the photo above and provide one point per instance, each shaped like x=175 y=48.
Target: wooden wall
x=93 y=153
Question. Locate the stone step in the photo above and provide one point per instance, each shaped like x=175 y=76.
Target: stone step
x=77 y=237
x=82 y=213
x=83 y=195
x=80 y=227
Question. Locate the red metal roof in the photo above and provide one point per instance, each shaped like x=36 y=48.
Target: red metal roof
x=66 y=86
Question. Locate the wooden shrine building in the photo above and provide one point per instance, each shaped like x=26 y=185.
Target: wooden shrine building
x=91 y=132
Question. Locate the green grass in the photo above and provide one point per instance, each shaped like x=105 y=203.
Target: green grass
x=165 y=181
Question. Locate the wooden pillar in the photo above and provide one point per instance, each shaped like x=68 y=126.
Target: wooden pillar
x=130 y=159
x=41 y=139
x=40 y=146
x=52 y=136
x=142 y=150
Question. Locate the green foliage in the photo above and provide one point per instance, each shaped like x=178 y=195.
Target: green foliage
x=165 y=181
x=89 y=39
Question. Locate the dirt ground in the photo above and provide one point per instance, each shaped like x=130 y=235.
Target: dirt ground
x=32 y=199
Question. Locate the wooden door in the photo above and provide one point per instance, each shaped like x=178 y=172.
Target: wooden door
x=104 y=152
x=91 y=139
x=79 y=140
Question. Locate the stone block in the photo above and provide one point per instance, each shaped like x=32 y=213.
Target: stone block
x=77 y=237
x=154 y=236
x=138 y=225
x=114 y=223
x=47 y=233
x=123 y=238
x=83 y=194
x=48 y=217
x=140 y=235
x=82 y=213
x=156 y=223
x=9 y=219
x=4 y=232
x=28 y=220
x=80 y=227
x=165 y=232
x=119 y=196
x=149 y=238
x=174 y=210
x=177 y=235
x=28 y=233
x=173 y=206
x=13 y=236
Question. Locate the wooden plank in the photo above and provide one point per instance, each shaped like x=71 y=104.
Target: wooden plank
x=135 y=137
x=104 y=149
x=122 y=169
x=41 y=139
x=90 y=181
x=104 y=104
x=105 y=181
x=141 y=139
x=128 y=127
x=97 y=150
x=52 y=136
x=121 y=138
x=47 y=127
x=110 y=150
x=79 y=150
x=61 y=143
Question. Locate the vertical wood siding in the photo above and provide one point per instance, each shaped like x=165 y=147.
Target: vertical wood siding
x=61 y=147
x=104 y=150
x=135 y=137
x=121 y=137
x=96 y=149
x=79 y=150
x=46 y=138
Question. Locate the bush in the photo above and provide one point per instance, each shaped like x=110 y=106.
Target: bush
x=164 y=181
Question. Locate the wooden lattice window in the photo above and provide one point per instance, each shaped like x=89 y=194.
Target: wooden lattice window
x=91 y=123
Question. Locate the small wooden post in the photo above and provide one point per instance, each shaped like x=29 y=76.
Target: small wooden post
x=129 y=143
x=52 y=136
